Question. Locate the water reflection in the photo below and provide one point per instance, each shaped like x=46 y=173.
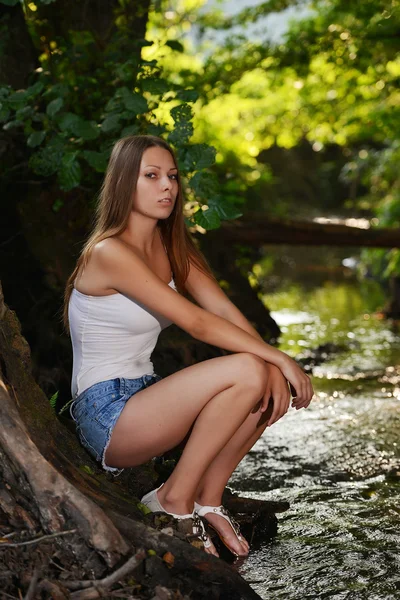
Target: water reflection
x=338 y=463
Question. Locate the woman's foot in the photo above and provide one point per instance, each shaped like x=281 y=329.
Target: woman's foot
x=152 y=501
x=225 y=526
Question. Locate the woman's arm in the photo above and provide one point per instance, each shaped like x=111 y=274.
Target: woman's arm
x=124 y=271
x=212 y=298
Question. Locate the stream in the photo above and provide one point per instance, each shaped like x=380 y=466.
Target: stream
x=337 y=462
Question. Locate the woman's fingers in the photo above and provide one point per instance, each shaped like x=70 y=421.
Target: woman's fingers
x=303 y=391
x=281 y=406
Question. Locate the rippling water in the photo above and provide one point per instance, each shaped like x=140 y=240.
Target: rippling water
x=337 y=463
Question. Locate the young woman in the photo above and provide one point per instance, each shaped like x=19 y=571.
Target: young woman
x=130 y=282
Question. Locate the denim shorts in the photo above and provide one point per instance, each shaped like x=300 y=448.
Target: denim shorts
x=96 y=411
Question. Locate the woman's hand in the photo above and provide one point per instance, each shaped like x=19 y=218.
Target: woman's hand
x=276 y=399
x=303 y=390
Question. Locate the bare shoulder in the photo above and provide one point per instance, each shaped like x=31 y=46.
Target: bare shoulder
x=112 y=249
x=123 y=270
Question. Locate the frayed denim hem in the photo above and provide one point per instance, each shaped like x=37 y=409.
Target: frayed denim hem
x=113 y=470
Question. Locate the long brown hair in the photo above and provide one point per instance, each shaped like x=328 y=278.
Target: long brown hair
x=115 y=205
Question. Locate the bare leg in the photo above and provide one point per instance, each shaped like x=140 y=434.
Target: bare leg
x=217 y=395
x=214 y=480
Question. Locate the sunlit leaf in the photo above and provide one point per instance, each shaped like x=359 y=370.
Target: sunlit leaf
x=199 y=156
x=53 y=400
x=209 y=219
x=224 y=209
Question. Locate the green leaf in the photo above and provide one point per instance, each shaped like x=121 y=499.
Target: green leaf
x=57 y=204
x=68 y=121
x=87 y=130
x=225 y=210
x=58 y=89
x=181 y=113
x=209 y=219
x=156 y=87
x=97 y=160
x=9 y=2
x=157 y=130
x=204 y=184
x=133 y=102
x=87 y=469
x=36 y=138
x=4 y=113
x=4 y=91
x=69 y=176
x=110 y=123
x=114 y=103
x=35 y=89
x=187 y=95
x=17 y=99
x=130 y=130
x=12 y=125
x=54 y=106
x=143 y=508
x=183 y=130
x=22 y=113
x=199 y=156
x=175 y=45
x=53 y=400
x=48 y=159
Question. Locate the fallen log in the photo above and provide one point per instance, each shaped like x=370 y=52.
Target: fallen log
x=261 y=230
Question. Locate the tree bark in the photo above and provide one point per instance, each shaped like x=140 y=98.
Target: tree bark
x=262 y=230
x=96 y=16
x=18 y=56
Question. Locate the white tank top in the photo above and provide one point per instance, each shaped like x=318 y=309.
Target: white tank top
x=112 y=336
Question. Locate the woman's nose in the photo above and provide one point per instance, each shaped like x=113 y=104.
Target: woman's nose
x=166 y=183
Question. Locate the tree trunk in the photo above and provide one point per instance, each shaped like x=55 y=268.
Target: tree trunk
x=223 y=260
x=261 y=230
x=18 y=56
x=98 y=17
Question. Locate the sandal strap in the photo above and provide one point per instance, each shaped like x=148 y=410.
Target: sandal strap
x=222 y=512
x=199 y=530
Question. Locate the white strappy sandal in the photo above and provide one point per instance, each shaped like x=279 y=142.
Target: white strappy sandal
x=202 y=511
x=198 y=530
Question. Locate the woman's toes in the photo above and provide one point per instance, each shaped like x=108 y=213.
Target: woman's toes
x=211 y=550
x=245 y=543
x=234 y=545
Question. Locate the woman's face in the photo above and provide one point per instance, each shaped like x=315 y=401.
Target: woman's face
x=157 y=184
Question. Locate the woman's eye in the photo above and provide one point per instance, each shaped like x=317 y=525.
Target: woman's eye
x=174 y=177
x=150 y=175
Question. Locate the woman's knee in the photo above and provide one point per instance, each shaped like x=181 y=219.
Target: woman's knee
x=252 y=372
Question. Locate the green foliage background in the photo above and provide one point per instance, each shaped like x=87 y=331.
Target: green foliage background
x=333 y=81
